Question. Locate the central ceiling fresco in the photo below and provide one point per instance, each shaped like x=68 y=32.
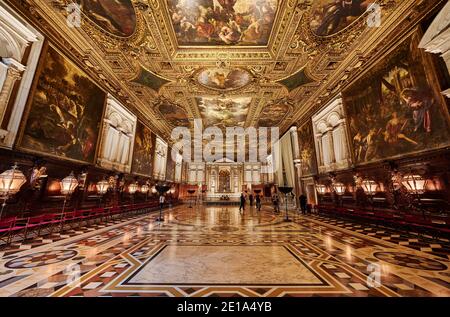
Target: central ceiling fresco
x=224 y=112
x=222 y=22
x=228 y=62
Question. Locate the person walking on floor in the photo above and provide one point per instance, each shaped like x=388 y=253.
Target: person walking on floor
x=258 y=202
x=250 y=198
x=276 y=203
x=303 y=203
x=242 y=205
x=162 y=200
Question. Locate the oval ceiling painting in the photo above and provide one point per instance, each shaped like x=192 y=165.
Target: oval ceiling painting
x=224 y=79
x=331 y=16
x=116 y=17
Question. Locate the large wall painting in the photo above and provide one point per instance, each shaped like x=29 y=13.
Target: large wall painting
x=224 y=112
x=116 y=17
x=223 y=22
x=144 y=148
x=307 y=150
x=331 y=16
x=66 y=112
x=396 y=108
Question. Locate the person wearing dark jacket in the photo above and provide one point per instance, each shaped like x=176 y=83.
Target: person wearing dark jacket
x=303 y=203
x=258 y=202
x=242 y=205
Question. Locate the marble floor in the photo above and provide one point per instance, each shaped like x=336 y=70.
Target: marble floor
x=217 y=251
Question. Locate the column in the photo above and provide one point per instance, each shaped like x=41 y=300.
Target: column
x=295 y=143
x=13 y=74
x=331 y=145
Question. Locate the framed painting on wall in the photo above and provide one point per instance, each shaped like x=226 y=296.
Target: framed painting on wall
x=64 y=112
x=144 y=147
x=307 y=150
x=396 y=109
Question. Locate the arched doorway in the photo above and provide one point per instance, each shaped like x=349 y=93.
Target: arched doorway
x=224 y=181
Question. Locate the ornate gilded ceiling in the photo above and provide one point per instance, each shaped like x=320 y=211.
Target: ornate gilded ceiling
x=229 y=62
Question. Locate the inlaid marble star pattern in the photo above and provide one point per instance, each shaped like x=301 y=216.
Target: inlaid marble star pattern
x=214 y=251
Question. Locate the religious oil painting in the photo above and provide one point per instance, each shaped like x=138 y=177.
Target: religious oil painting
x=396 y=108
x=273 y=114
x=331 y=16
x=223 y=22
x=116 y=17
x=224 y=79
x=224 y=112
x=307 y=150
x=174 y=114
x=66 y=111
x=170 y=167
x=144 y=147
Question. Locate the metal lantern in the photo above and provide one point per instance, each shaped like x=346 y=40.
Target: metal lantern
x=369 y=187
x=133 y=188
x=339 y=188
x=414 y=183
x=69 y=184
x=11 y=181
x=145 y=188
x=102 y=187
x=321 y=189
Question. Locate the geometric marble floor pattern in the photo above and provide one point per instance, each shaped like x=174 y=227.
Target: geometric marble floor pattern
x=218 y=251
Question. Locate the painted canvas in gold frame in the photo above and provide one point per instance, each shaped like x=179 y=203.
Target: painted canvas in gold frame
x=307 y=150
x=396 y=108
x=64 y=111
x=144 y=149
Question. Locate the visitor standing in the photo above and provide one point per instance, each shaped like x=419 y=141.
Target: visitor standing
x=258 y=202
x=162 y=199
x=276 y=202
x=242 y=205
x=303 y=203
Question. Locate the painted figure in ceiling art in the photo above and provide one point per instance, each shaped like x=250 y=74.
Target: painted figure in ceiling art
x=114 y=16
x=307 y=150
x=66 y=112
x=224 y=79
x=396 y=109
x=332 y=16
x=176 y=115
x=272 y=115
x=224 y=112
x=144 y=148
x=223 y=22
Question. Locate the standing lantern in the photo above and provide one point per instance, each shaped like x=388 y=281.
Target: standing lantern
x=415 y=184
x=10 y=183
x=144 y=190
x=68 y=186
x=132 y=189
x=370 y=189
x=321 y=190
x=339 y=189
x=102 y=189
